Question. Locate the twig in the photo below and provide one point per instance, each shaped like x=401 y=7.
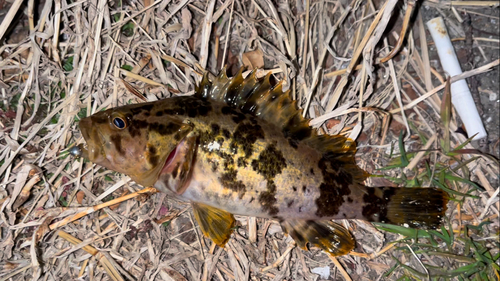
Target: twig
x=90 y=210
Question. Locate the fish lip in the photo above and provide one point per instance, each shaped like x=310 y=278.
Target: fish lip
x=93 y=137
x=84 y=124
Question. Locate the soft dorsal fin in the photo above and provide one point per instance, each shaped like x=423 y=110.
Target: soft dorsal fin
x=270 y=103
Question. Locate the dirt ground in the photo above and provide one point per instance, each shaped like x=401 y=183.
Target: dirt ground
x=65 y=218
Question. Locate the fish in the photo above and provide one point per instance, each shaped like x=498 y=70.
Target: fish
x=240 y=146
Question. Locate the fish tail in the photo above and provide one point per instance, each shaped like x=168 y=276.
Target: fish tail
x=327 y=235
x=415 y=207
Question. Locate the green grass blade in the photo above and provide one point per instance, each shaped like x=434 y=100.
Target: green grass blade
x=446 y=116
x=404 y=157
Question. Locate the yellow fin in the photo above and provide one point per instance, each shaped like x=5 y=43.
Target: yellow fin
x=333 y=238
x=215 y=223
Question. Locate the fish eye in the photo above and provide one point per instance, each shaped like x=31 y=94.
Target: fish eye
x=119 y=123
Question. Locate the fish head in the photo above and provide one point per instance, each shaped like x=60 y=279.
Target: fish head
x=132 y=141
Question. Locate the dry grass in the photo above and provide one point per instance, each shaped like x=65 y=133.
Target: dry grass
x=63 y=218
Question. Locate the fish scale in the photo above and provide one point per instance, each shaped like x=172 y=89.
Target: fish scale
x=240 y=146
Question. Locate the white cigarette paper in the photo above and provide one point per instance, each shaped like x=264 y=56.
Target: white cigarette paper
x=460 y=92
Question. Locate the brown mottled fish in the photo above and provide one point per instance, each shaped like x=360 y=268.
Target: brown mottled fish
x=240 y=146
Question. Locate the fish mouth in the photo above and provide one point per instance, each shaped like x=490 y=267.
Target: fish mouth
x=91 y=150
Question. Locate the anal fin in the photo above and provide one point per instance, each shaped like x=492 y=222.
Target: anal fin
x=215 y=223
x=327 y=235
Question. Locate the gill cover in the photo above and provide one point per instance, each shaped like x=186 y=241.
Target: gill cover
x=176 y=173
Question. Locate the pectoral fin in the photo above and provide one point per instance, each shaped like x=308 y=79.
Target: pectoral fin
x=329 y=236
x=215 y=223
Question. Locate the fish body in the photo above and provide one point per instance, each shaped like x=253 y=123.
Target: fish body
x=240 y=146
x=246 y=166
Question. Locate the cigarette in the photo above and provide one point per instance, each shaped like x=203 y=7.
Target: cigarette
x=460 y=92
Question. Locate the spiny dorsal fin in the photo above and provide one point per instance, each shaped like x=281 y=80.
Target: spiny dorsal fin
x=253 y=96
x=270 y=103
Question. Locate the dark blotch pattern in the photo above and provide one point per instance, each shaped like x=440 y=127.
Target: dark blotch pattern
x=190 y=106
x=254 y=120
x=215 y=128
x=175 y=111
x=230 y=181
x=99 y=119
x=268 y=199
x=215 y=165
x=153 y=157
x=136 y=126
x=293 y=143
x=117 y=142
x=269 y=164
x=226 y=133
x=228 y=159
x=143 y=108
x=242 y=162
x=152 y=149
x=164 y=129
x=299 y=134
x=244 y=136
x=170 y=111
x=193 y=106
x=296 y=131
x=376 y=207
x=236 y=115
x=226 y=110
x=332 y=195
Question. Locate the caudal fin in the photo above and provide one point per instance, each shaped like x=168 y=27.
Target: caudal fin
x=327 y=235
x=415 y=207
